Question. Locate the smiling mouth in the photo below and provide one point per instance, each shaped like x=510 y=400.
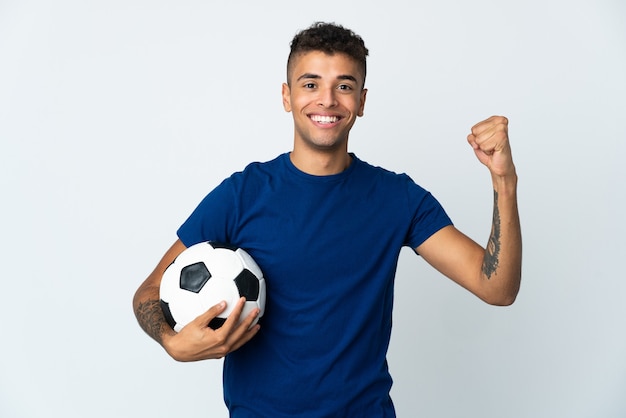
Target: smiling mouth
x=324 y=119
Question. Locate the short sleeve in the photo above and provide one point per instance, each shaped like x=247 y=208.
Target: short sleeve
x=211 y=219
x=429 y=216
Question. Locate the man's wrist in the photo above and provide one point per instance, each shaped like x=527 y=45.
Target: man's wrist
x=505 y=185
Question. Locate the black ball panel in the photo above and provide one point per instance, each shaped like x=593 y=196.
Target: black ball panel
x=167 y=313
x=248 y=285
x=194 y=276
x=216 y=322
x=215 y=244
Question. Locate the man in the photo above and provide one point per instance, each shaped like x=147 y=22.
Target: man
x=326 y=229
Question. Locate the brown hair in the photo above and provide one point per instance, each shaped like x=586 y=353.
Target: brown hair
x=329 y=38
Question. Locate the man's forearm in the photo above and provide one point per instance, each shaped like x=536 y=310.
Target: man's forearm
x=503 y=255
x=150 y=315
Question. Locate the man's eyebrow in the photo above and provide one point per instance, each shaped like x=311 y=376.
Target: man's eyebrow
x=308 y=75
x=347 y=77
x=316 y=76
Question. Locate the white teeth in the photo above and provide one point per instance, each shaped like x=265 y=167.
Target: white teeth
x=324 y=119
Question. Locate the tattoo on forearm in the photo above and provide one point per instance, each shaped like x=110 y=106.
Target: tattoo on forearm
x=490 y=262
x=151 y=320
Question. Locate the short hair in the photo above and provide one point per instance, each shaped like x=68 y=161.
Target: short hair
x=329 y=38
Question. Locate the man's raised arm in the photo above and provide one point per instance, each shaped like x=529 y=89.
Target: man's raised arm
x=492 y=273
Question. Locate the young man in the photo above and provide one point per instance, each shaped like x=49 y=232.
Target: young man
x=326 y=229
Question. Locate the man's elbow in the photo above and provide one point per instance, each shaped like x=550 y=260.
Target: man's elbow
x=502 y=298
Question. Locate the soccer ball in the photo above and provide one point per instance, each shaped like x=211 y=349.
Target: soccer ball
x=205 y=274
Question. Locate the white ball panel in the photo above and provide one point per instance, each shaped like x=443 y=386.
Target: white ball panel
x=223 y=262
x=184 y=306
x=261 y=300
x=249 y=262
x=193 y=254
x=170 y=282
x=216 y=290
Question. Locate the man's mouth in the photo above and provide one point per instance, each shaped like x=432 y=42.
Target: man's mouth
x=324 y=119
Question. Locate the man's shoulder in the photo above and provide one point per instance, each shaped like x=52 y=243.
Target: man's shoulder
x=255 y=176
x=381 y=172
x=264 y=166
x=261 y=168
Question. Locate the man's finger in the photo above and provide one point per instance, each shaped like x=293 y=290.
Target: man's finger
x=247 y=336
x=494 y=122
x=233 y=319
x=211 y=313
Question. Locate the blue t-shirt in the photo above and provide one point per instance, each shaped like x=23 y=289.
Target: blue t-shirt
x=328 y=247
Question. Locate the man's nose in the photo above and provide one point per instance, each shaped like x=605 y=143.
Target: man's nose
x=327 y=98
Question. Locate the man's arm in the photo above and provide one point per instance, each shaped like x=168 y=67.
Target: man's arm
x=196 y=341
x=492 y=273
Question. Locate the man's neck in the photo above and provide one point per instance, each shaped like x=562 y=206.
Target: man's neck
x=321 y=163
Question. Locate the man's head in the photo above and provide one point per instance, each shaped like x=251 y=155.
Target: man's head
x=330 y=39
x=325 y=93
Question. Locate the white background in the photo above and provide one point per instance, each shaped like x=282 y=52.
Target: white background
x=117 y=117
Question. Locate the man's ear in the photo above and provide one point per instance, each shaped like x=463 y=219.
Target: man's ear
x=286 y=97
x=362 y=106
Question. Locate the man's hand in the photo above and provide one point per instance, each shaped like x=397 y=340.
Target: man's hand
x=196 y=341
x=490 y=141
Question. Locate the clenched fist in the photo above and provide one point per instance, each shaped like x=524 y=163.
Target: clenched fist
x=490 y=141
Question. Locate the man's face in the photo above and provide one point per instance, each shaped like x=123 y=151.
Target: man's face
x=325 y=95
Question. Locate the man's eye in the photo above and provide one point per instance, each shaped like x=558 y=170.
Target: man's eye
x=345 y=87
x=309 y=86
